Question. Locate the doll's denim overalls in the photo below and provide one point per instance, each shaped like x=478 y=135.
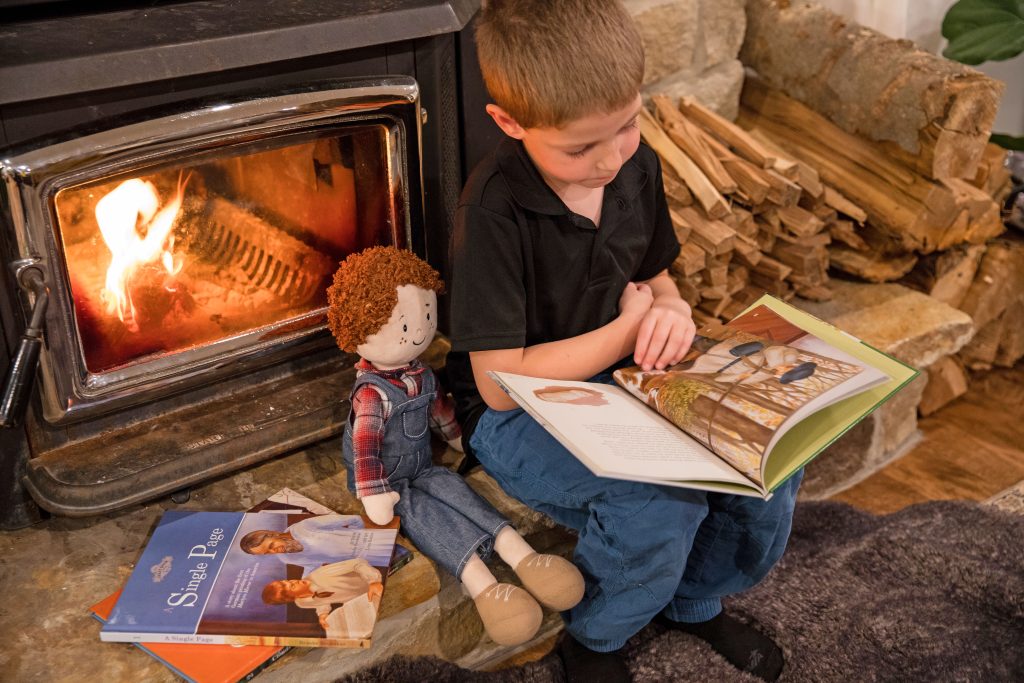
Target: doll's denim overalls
x=440 y=514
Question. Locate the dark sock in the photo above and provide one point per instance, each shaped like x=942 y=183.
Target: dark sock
x=741 y=644
x=583 y=665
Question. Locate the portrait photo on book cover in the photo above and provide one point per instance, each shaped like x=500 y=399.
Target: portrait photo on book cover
x=300 y=575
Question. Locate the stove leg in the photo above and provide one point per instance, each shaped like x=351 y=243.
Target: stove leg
x=181 y=496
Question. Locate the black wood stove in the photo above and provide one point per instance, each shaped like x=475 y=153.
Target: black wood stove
x=180 y=180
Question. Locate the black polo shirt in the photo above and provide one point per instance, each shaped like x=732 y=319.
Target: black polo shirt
x=526 y=270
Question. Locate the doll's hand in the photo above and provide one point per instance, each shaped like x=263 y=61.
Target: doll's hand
x=635 y=300
x=380 y=507
x=456 y=443
x=665 y=334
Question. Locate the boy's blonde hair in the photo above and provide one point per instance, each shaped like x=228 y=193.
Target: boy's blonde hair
x=549 y=62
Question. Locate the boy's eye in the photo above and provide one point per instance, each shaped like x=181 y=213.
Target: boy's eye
x=578 y=154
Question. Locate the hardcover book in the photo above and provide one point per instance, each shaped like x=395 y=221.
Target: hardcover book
x=752 y=402
x=202 y=663
x=280 y=576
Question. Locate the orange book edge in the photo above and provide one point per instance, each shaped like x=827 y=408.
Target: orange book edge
x=201 y=663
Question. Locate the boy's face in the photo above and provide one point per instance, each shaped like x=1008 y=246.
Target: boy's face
x=407 y=333
x=585 y=153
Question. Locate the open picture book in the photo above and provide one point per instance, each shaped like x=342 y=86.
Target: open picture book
x=752 y=402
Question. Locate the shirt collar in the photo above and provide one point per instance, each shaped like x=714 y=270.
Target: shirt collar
x=531 y=192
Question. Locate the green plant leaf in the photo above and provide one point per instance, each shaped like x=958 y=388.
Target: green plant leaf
x=984 y=30
x=1008 y=142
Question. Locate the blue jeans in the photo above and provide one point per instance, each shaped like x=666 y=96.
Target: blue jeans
x=642 y=548
x=441 y=515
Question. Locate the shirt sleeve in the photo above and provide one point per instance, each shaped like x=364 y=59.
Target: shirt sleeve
x=367 y=439
x=486 y=291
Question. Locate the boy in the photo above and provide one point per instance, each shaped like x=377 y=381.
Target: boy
x=559 y=269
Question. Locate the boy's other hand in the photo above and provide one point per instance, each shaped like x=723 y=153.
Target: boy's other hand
x=665 y=334
x=635 y=300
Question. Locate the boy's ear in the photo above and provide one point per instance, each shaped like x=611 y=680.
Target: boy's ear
x=507 y=124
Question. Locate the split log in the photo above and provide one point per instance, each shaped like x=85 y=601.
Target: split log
x=933 y=114
x=714 y=237
x=947 y=381
x=799 y=221
x=837 y=201
x=675 y=188
x=1011 y=343
x=727 y=131
x=691 y=260
x=689 y=139
x=680 y=225
x=871 y=265
x=992 y=174
x=998 y=283
x=702 y=188
x=843 y=231
x=980 y=353
x=920 y=213
x=948 y=275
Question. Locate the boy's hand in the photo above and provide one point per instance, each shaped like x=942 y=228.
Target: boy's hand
x=665 y=334
x=635 y=300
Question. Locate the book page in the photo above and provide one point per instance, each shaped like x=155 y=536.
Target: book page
x=614 y=434
x=743 y=384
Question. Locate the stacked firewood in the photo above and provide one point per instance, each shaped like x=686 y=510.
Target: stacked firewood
x=939 y=234
x=904 y=134
x=908 y=212
x=774 y=201
x=751 y=218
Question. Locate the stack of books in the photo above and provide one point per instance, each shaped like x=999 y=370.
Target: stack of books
x=289 y=572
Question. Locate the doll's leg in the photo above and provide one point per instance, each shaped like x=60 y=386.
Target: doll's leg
x=554 y=581
x=509 y=614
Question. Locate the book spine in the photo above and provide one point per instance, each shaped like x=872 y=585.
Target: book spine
x=203 y=639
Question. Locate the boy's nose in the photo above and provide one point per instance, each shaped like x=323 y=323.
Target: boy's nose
x=611 y=160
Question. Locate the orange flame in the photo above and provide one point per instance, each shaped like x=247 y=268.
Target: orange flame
x=132 y=205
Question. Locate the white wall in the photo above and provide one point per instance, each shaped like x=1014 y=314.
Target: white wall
x=921 y=21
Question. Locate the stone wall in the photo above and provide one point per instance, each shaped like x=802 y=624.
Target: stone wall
x=692 y=49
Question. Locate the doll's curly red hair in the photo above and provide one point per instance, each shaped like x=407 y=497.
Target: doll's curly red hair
x=365 y=291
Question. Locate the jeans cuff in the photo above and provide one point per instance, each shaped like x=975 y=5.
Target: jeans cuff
x=693 y=611
x=597 y=645
x=486 y=541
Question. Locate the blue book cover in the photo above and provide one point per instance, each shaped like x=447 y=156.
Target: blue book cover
x=272 y=577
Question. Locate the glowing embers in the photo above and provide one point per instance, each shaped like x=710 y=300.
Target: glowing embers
x=138 y=233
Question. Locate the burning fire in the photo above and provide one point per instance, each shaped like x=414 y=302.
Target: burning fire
x=138 y=233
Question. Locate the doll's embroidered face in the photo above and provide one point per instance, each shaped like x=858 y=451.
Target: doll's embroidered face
x=407 y=332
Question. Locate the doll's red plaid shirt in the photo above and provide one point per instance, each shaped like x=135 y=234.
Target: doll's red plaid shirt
x=371 y=411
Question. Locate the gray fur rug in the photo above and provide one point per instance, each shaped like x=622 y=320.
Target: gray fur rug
x=933 y=592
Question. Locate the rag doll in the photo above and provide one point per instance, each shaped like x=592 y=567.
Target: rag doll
x=383 y=306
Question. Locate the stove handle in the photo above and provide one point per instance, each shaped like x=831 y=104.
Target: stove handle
x=22 y=373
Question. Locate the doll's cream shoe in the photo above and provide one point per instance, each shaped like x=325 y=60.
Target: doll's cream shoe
x=510 y=615
x=554 y=581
